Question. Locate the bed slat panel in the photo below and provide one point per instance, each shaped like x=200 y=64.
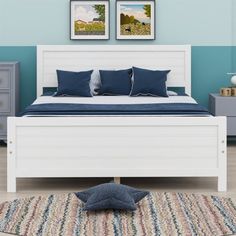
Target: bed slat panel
x=117 y=147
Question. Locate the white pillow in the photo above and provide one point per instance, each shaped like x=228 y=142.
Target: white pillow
x=171 y=93
x=95 y=81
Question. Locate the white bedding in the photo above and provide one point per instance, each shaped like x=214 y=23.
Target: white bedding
x=115 y=100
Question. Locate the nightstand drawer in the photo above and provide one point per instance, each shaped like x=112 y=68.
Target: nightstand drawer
x=225 y=106
x=231 y=125
x=3 y=125
x=5 y=102
x=5 y=78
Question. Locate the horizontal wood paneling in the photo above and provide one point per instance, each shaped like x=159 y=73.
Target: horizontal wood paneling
x=116 y=147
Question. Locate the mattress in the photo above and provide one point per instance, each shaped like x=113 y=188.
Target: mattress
x=115 y=106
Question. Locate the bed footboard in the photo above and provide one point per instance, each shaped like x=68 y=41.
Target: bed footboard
x=116 y=147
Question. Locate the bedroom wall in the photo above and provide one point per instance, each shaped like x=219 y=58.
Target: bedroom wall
x=234 y=35
x=206 y=25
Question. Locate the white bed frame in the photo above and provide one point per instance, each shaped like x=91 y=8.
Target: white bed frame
x=116 y=146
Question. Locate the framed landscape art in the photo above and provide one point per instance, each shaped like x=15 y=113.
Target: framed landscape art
x=135 y=19
x=89 y=19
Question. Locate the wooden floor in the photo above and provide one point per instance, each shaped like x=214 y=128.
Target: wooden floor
x=29 y=187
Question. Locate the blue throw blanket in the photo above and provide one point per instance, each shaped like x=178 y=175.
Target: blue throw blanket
x=51 y=109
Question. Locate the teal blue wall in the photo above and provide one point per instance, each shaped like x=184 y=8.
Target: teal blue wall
x=234 y=22
x=234 y=59
x=209 y=26
x=209 y=68
x=27 y=58
x=196 y=22
x=234 y=36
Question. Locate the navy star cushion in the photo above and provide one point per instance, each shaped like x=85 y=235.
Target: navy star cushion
x=111 y=196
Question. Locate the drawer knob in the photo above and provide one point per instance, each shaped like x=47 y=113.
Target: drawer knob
x=10 y=142
x=223 y=141
x=223 y=151
x=10 y=152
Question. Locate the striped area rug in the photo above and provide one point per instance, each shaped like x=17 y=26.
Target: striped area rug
x=166 y=214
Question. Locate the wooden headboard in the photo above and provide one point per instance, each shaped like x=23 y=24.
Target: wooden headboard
x=177 y=58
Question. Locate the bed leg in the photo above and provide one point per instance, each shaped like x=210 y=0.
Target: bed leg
x=11 y=185
x=11 y=174
x=11 y=180
x=117 y=180
x=222 y=177
x=222 y=155
x=222 y=183
x=11 y=158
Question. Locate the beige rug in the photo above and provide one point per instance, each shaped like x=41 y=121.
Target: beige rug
x=166 y=214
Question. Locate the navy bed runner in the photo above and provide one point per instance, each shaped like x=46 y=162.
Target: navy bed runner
x=51 y=109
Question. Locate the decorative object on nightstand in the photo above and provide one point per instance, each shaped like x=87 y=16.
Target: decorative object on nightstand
x=224 y=106
x=225 y=92
x=233 y=91
x=233 y=82
x=233 y=79
x=230 y=91
x=9 y=94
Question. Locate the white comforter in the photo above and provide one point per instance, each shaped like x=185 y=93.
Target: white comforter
x=114 y=100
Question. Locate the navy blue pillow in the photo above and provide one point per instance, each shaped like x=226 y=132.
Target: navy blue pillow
x=73 y=83
x=111 y=196
x=115 y=82
x=149 y=82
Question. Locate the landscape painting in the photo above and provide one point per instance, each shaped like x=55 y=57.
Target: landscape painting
x=135 y=20
x=89 y=19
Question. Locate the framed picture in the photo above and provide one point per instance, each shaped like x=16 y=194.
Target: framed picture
x=89 y=19
x=135 y=19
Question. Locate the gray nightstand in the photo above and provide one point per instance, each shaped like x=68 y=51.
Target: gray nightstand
x=224 y=106
x=9 y=94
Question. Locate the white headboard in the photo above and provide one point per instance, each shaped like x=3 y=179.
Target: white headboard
x=177 y=58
